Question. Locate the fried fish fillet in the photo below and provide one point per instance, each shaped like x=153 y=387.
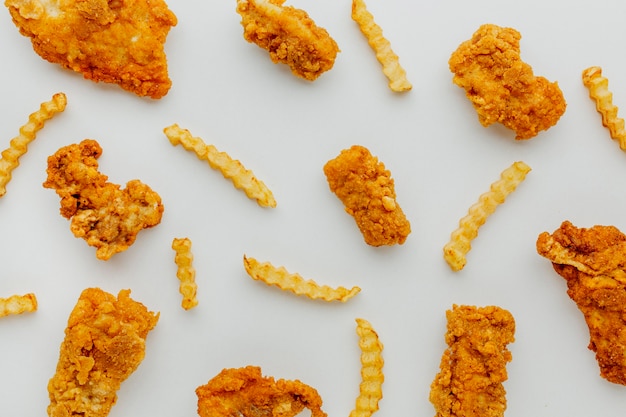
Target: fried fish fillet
x=503 y=88
x=473 y=367
x=106 y=216
x=367 y=191
x=289 y=35
x=105 y=341
x=245 y=392
x=114 y=41
x=593 y=262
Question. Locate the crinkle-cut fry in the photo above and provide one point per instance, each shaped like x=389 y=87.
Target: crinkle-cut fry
x=28 y=132
x=186 y=273
x=456 y=249
x=598 y=87
x=372 y=377
x=281 y=278
x=233 y=170
x=382 y=47
x=18 y=304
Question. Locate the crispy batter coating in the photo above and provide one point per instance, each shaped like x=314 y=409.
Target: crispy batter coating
x=501 y=86
x=114 y=41
x=245 y=392
x=106 y=216
x=289 y=35
x=104 y=344
x=592 y=261
x=473 y=367
x=367 y=190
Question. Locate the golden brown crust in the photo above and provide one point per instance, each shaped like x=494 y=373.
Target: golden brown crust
x=503 y=88
x=473 y=367
x=245 y=392
x=118 y=41
x=289 y=35
x=104 y=344
x=367 y=190
x=106 y=216
x=593 y=262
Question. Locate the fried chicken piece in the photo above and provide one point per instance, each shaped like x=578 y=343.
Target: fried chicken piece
x=106 y=216
x=501 y=86
x=105 y=341
x=473 y=367
x=593 y=262
x=367 y=190
x=114 y=41
x=245 y=392
x=289 y=35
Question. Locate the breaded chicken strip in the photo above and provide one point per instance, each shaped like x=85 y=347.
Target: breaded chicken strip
x=367 y=191
x=289 y=35
x=593 y=262
x=473 y=367
x=106 y=216
x=114 y=41
x=245 y=392
x=503 y=88
x=104 y=344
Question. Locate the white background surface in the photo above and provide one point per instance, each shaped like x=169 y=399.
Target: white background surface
x=229 y=93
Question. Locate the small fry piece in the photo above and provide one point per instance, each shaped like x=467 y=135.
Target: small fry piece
x=460 y=240
x=233 y=170
x=186 y=273
x=385 y=55
x=28 y=132
x=598 y=86
x=286 y=281
x=372 y=377
x=18 y=304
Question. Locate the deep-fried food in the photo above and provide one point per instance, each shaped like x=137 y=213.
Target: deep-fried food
x=118 y=41
x=473 y=367
x=185 y=273
x=106 y=216
x=503 y=88
x=367 y=191
x=18 y=304
x=105 y=341
x=289 y=35
x=372 y=377
x=245 y=392
x=10 y=157
x=593 y=262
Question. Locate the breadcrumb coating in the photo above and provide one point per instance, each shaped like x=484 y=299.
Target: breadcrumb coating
x=105 y=341
x=503 y=88
x=106 y=216
x=289 y=35
x=593 y=262
x=114 y=41
x=367 y=190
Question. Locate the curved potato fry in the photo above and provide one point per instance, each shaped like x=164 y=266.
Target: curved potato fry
x=186 y=273
x=370 y=390
x=18 y=304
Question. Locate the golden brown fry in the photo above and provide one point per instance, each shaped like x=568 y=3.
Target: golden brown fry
x=368 y=193
x=245 y=392
x=502 y=88
x=372 y=377
x=233 y=170
x=119 y=42
x=593 y=263
x=381 y=46
x=473 y=367
x=18 y=304
x=598 y=86
x=186 y=273
x=289 y=35
x=105 y=341
x=28 y=132
x=456 y=249
x=104 y=215
x=286 y=281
